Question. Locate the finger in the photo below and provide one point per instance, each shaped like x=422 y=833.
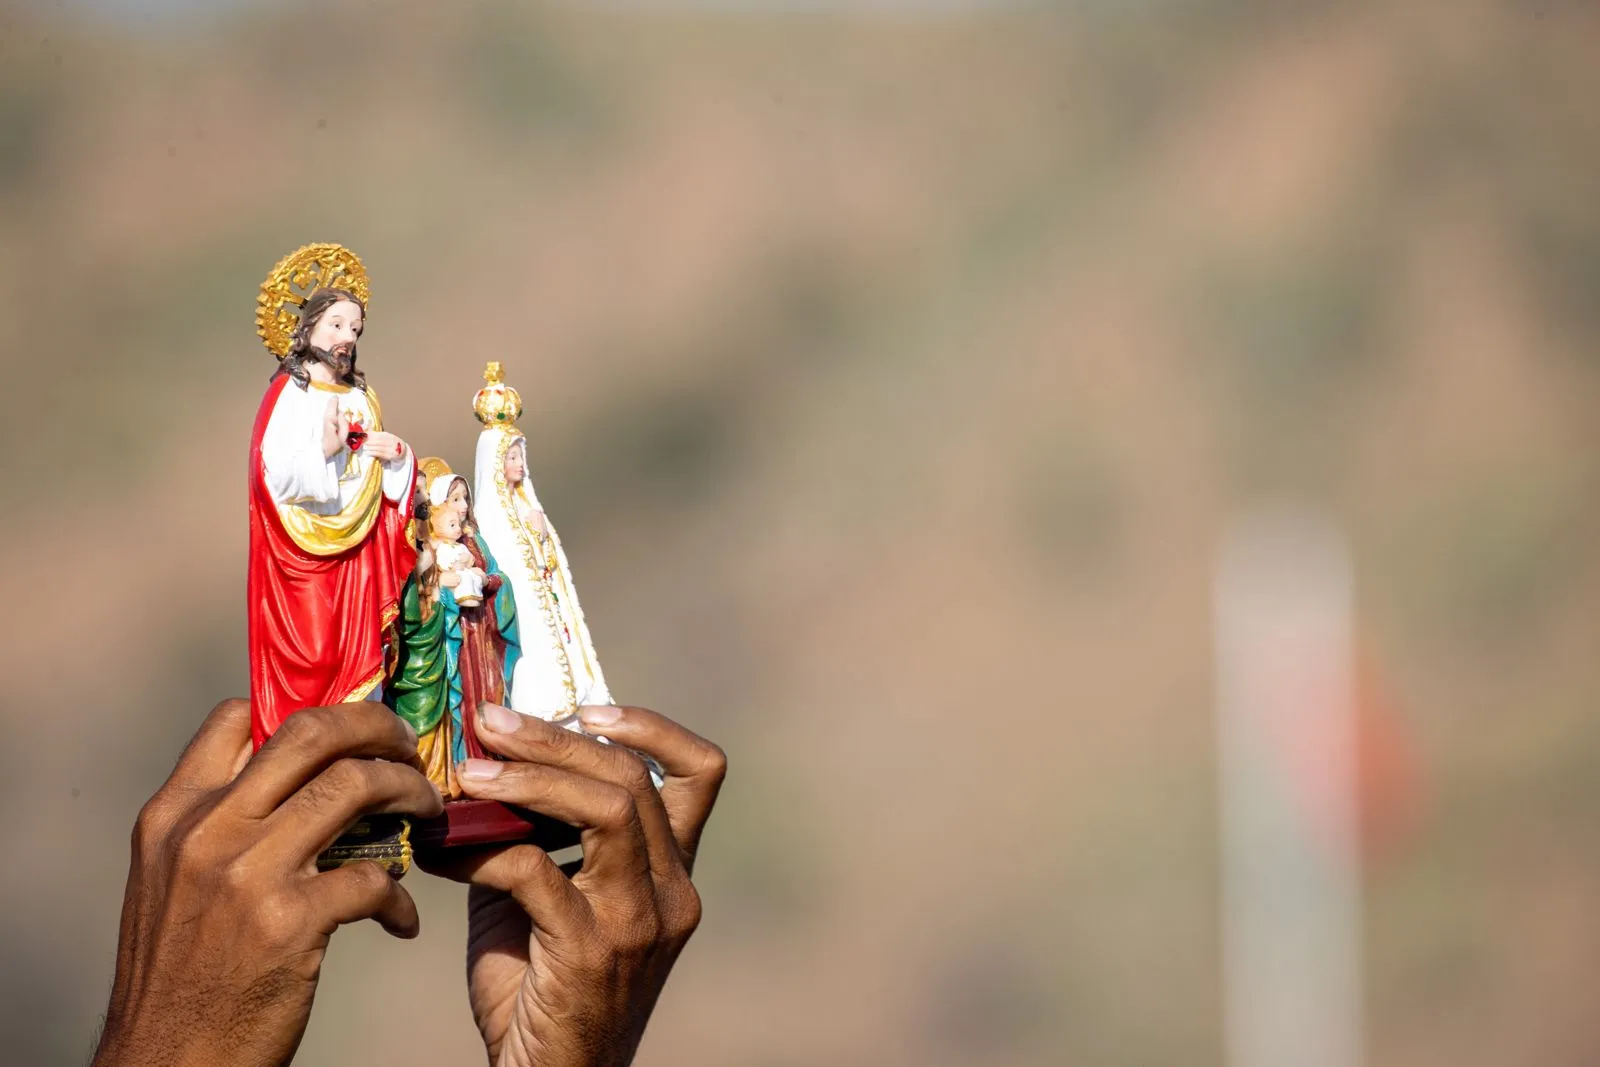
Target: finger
x=528 y=875
x=363 y=890
x=614 y=850
x=531 y=740
x=323 y=808
x=212 y=757
x=694 y=767
x=208 y=762
x=311 y=740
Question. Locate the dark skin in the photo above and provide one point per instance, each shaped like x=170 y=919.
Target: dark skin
x=226 y=918
x=565 y=972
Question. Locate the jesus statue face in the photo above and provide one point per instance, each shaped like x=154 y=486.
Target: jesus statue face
x=340 y=325
x=516 y=465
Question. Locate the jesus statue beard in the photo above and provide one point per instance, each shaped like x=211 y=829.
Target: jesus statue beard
x=341 y=359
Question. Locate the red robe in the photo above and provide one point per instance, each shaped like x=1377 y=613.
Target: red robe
x=318 y=625
x=481 y=661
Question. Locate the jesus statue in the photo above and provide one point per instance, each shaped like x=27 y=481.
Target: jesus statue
x=330 y=500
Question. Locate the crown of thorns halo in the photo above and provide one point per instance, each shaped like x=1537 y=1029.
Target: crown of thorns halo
x=298 y=275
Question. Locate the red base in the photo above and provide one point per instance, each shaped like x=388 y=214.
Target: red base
x=489 y=822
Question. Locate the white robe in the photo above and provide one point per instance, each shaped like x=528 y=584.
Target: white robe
x=298 y=474
x=457 y=558
x=559 y=671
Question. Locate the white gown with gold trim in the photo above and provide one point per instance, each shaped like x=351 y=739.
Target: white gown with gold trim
x=559 y=671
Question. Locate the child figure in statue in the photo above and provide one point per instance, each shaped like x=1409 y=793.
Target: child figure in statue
x=452 y=558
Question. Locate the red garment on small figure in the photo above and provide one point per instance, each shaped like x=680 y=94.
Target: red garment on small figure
x=483 y=655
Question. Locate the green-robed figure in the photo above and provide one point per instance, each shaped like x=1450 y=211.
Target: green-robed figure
x=457 y=633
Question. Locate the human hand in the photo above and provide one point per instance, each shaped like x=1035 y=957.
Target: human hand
x=565 y=973
x=335 y=428
x=424 y=558
x=385 y=447
x=226 y=918
x=449 y=579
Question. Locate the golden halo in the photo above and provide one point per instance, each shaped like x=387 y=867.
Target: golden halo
x=431 y=468
x=298 y=275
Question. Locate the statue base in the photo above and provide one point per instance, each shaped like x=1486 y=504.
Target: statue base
x=384 y=839
x=392 y=840
x=489 y=822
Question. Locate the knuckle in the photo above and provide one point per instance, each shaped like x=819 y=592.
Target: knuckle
x=641 y=934
x=636 y=776
x=554 y=742
x=193 y=846
x=683 y=913
x=531 y=871
x=348 y=777
x=370 y=880
x=616 y=808
x=714 y=763
x=240 y=876
x=371 y=718
x=151 y=826
x=186 y=854
x=308 y=728
x=233 y=706
x=413 y=786
x=278 y=918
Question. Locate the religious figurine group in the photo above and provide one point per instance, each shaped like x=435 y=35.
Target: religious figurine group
x=375 y=575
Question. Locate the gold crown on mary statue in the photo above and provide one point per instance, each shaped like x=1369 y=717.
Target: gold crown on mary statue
x=298 y=275
x=497 y=404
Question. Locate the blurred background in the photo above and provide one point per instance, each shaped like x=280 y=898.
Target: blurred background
x=895 y=374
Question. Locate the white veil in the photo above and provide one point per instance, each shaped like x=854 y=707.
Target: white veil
x=491 y=498
x=542 y=683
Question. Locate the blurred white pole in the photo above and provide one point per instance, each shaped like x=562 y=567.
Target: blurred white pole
x=1291 y=894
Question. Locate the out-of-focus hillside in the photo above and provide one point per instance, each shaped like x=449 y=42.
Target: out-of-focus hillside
x=890 y=379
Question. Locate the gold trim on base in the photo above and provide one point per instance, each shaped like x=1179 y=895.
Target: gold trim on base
x=384 y=839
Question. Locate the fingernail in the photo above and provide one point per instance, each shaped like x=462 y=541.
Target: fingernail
x=481 y=770
x=411 y=732
x=500 y=720
x=600 y=715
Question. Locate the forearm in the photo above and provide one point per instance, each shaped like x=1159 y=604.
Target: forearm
x=158 y=1045
x=304 y=475
x=398 y=478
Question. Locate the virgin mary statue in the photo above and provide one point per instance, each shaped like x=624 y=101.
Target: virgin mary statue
x=558 y=671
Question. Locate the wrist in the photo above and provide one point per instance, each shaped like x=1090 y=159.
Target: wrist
x=133 y=1045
